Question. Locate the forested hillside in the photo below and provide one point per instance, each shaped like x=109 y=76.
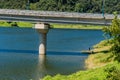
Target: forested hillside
x=89 y=6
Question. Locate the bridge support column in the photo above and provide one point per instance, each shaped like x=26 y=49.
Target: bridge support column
x=43 y=29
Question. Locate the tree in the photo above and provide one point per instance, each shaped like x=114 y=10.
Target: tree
x=87 y=6
x=114 y=32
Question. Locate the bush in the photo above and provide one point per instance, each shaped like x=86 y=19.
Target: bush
x=114 y=32
x=112 y=73
x=14 y=24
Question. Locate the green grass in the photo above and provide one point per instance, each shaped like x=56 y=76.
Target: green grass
x=101 y=73
x=4 y=24
x=108 y=42
x=19 y=24
x=25 y=24
x=76 y=26
x=63 y=26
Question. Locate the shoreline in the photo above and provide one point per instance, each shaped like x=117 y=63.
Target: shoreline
x=97 y=65
x=54 y=26
x=76 y=26
x=99 y=55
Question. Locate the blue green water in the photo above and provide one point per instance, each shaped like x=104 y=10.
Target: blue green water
x=19 y=59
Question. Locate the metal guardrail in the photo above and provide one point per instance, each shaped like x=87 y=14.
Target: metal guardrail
x=55 y=14
x=55 y=17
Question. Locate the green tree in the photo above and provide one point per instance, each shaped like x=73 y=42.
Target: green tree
x=114 y=32
x=89 y=6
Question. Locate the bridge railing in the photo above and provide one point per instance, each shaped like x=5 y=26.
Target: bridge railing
x=55 y=14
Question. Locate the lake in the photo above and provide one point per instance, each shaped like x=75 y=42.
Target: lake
x=19 y=58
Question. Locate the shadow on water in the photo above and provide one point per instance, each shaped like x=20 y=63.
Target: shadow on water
x=48 y=52
x=33 y=66
x=18 y=51
x=21 y=61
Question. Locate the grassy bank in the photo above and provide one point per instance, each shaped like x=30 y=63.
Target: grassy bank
x=63 y=26
x=102 y=73
x=101 y=66
x=16 y=24
x=102 y=55
x=76 y=26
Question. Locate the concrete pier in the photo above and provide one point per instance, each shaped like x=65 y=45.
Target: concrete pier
x=43 y=29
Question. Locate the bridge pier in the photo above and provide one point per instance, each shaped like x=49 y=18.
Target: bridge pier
x=43 y=29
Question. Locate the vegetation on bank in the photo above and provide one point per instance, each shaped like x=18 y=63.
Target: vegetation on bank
x=15 y=24
x=82 y=6
x=76 y=26
x=60 y=26
x=105 y=64
x=101 y=66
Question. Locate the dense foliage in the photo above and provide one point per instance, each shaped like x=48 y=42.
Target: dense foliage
x=92 y=6
x=114 y=32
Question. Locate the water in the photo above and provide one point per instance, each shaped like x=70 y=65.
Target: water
x=19 y=59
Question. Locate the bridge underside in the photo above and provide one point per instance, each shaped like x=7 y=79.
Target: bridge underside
x=50 y=19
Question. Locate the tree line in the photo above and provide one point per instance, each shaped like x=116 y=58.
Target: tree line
x=82 y=6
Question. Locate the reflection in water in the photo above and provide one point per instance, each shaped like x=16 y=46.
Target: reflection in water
x=14 y=66
x=21 y=66
x=19 y=59
x=54 y=64
x=41 y=67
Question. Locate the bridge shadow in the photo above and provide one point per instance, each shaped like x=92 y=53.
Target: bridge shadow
x=66 y=53
x=18 y=51
x=36 y=52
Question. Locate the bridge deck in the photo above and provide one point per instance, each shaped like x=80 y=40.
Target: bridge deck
x=55 y=14
x=55 y=17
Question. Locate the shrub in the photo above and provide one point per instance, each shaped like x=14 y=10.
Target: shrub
x=112 y=73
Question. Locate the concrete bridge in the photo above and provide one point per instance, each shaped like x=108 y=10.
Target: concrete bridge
x=55 y=17
x=43 y=17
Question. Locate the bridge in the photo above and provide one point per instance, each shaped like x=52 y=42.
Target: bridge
x=55 y=17
x=46 y=17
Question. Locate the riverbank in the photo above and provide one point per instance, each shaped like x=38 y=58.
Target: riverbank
x=102 y=55
x=57 y=26
x=76 y=26
x=103 y=46
x=16 y=24
x=101 y=66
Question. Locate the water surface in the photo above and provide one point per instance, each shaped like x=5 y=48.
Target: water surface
x=19 y=59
